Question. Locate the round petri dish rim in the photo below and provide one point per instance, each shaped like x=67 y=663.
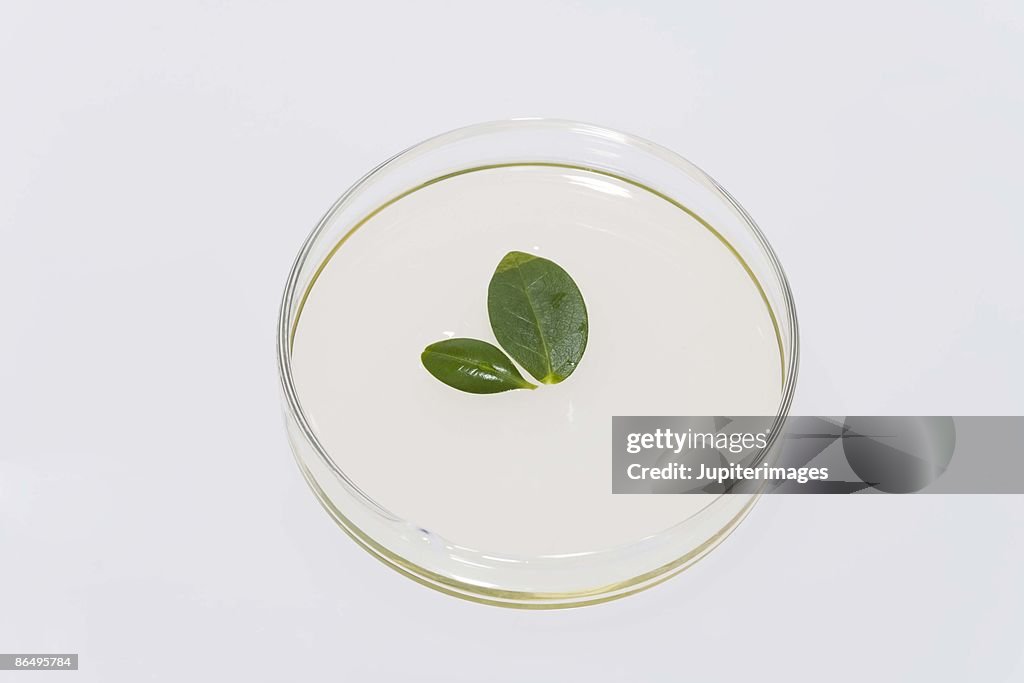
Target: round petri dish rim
x=495 y=144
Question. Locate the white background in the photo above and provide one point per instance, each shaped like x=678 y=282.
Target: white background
x=160 y=166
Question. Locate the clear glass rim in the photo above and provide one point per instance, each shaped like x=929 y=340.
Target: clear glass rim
x=288 y=313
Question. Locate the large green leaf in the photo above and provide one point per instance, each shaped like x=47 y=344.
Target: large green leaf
x=473 y=366
x=538 y=315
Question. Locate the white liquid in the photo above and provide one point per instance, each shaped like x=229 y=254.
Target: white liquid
x=677 y=327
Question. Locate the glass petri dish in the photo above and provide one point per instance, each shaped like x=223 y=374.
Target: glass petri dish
x=506 y=499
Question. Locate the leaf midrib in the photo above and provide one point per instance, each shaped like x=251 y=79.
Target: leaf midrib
x=483 y=365
x=549 y=375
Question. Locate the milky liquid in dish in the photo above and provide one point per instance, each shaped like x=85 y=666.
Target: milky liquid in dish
x=677 y=327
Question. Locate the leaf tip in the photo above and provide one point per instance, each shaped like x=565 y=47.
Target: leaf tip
x=514 y=259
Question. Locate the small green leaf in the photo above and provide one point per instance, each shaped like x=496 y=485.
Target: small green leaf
x=473 y=366
x=538 y=315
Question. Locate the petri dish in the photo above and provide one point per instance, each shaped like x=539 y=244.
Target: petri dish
x=506 y=499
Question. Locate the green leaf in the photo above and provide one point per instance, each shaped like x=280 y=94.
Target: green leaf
x=538 y=315
x=473 y=366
